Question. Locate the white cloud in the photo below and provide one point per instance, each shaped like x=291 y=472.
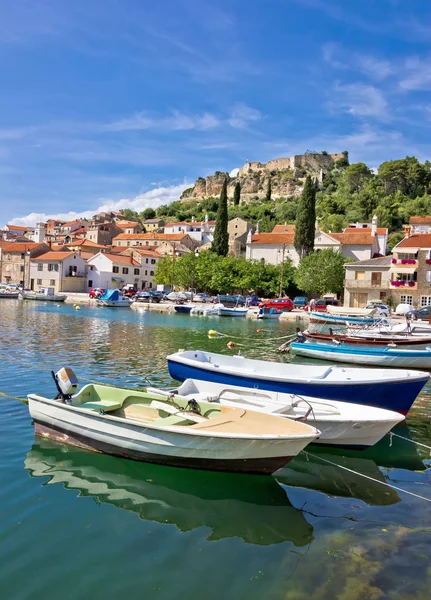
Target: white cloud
x=417 y=75
x=150 y=199
x=242 y=115
x=176 y=121
x=360 y=100
x=340 y=58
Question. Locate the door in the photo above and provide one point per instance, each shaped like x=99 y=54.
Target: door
x=376 y=279
x=32 y=284
x=358 y=300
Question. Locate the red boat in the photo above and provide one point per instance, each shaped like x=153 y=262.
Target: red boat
x=369 y=339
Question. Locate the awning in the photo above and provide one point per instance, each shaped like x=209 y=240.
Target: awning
x=403 y=269
x=117 y=279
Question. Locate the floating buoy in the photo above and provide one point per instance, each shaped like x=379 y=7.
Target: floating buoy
x=258 y=330
x=212 y=333
x=231 y=344
x=77 y=307
x=58 y=305
x=160 y=311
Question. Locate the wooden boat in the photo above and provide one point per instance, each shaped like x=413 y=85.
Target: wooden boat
x=148 y=427
x=46 y=294
x=393 y=390
x=386 y=356
x=268 y=313
x=369 y=339
x=347 y=311
x=399 y=330
x=339 y=423
x=113 y=299
x=224 y=503
x=232 y=312
x=8 y=295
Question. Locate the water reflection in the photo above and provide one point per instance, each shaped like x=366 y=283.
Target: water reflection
x=255 y=509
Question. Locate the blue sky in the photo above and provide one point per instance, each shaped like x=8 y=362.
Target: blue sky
x=108 y=103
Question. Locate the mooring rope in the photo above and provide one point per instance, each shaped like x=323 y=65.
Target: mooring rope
x=391 y=433
x=394 y=487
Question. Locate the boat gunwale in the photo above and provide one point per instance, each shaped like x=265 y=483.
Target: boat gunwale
x=184 y=430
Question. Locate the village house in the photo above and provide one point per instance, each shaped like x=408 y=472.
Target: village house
x=153 y=239
x=63 y=271
x=129 y=226
x=277 y=246
x=404 y=277
x=73 y=226
x=15 y=260
x=420 y=224
x=11 y=232
x=116 y=270
x=79 y=245
x=53 y=227
x=153 y=224
x=238 y=231
x=202 y=232
x=102 y=233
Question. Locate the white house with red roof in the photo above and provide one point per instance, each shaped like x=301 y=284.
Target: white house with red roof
x=200 y=231
x=63 y=271
x=420 y=224
x=135 y=266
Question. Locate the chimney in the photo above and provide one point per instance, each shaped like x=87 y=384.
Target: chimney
x=317 y=225
x=407 y=231
x=249 y=236
x=257 y=228
x=374 y=226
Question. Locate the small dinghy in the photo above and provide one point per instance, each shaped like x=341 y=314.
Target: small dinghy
x=369 y=339
x=356 y=321
x=171 y=431
x=113 y=299
x=393 y=390
x=45 y=294
x=382 y=356
x=340 y=423
x=265 y=312
x=183 y=308
x=8 y=294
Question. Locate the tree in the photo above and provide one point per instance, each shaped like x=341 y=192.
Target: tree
x=321 y=272
x=237 y=194
x=148 y=213
x=268 y=190
x=220 y=243
x=356 y=175
x=306 y=220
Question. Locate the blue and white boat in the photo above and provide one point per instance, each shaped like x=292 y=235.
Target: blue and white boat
x=232 y=312
x=266 y=312
x=393 y=390
x=183 y=308
x=113 y=299
x=323 y=317
x=382 y=356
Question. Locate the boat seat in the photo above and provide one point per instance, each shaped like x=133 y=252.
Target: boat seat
x=105 y=405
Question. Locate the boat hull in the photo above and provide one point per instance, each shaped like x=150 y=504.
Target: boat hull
x=369 y=341
x=396 y=395
x=135 y=441
x=112 y=304
x=230 y=312
x=316 y=317
x=183 y=309
x=44 y=298
x=413 y=359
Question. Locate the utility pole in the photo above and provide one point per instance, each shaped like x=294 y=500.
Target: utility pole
x=282 y=272
x=173 y=267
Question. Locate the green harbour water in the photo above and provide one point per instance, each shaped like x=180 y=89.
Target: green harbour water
x=80 y=525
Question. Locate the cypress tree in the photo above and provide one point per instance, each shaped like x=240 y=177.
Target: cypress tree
x=237 y=194
x=268 y=191
x=305 y=220
x=220 y=243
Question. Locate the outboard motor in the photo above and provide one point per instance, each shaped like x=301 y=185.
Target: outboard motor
x=66 y=383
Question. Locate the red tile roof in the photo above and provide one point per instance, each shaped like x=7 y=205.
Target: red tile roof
x=150 y=236
x=19 y=246
x=380 y=230
x=84 y=242
x=53 y=256
x=17 y=227
x=417 y=240
x=356 y=239
x=284 y=229
x=422 y=220
x=273 y=238
x=121 y=259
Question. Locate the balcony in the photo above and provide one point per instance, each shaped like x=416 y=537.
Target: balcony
x=365 y=283
x=403 y=285
x=79 y=274
x=405 y=262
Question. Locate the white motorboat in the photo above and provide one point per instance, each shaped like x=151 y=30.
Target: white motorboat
x=206 y=310
x=340 y=423
x=8 y=294
x=46 y=294
x=113 y=299
x=347 y=311
x=266 y=312
x=151 y=428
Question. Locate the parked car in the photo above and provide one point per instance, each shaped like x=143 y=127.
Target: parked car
x=230 y=300
x=421 y=314
x=147 y=297
x=159 y=294
x=129 y=290
x=96 y=292
x=285 y=304
x=382 y=310
x=300 y=301
x=253 y=301
x=320 y=305
x=402 y=309
x=202 y=298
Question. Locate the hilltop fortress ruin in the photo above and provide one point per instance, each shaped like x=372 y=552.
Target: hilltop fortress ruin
x=287 y=176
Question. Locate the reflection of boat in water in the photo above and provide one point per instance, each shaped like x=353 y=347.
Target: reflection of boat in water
x=310 y=472
x=253 y=508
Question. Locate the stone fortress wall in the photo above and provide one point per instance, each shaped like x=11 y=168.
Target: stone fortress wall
x=311 y=162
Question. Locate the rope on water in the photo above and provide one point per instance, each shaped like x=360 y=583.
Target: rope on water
x=394 y=487
x=3 y=395
x=214 y=332
x=391 y=434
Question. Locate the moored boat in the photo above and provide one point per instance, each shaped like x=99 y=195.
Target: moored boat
x=321 y=317
x=393 y=390
x=7 y=294
x=369 y=339
x=232 y=312
x=339 y=423
x=113 y=299
x=266 y=312
x=45 y=294
x=183 y=308
x=386 y=356
x=148 y=427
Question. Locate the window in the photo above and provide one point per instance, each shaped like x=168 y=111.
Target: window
x=153 y=262
x=407 y=299
x=406 y=276
x=39 y=281
x=91 y=269
x=152 y=273
x=135 y=271
x=21 y=269
x=150 y=285
x=52 y=282
x=115 y=269
x=50 y=267
x=22 y=255
x=40 y=266
x=56 y=267
x=125 y=270
x=146 y=272
x=425 y=300
x=360 y=275
x=146 y=261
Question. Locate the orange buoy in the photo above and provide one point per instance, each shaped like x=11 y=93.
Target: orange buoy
x=231 y=344
x=258 y=330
